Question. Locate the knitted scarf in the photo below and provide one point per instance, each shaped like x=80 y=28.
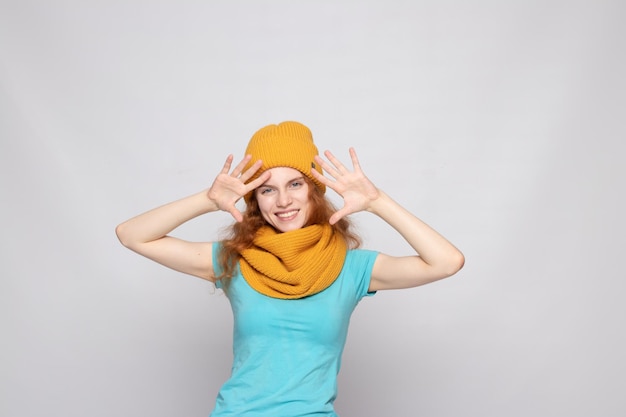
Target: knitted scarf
x=293 y=264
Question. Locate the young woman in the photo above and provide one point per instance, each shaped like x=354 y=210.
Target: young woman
x=290 y=266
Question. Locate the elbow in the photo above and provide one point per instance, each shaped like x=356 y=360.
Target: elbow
x=455 y=263
x=122 y=235
x=450 y=265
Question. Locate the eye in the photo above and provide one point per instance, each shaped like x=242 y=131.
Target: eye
x=296 y=184
x=264 y=190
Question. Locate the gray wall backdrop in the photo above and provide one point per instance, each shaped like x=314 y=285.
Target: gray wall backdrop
x=500 y=123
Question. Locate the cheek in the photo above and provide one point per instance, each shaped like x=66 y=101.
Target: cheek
x=265 y=205
x=306 y=202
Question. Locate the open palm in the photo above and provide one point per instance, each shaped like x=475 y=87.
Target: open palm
x=353 y=186
x=228 y=188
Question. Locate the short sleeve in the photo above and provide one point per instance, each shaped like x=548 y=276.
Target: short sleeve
x=359 y=265
x=217 y=268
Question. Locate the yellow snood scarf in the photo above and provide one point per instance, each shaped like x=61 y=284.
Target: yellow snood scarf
x=293 y=264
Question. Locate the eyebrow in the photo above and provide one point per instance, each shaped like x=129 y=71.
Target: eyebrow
x=267 y=184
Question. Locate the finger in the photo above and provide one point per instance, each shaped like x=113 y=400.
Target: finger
x=336 y=162
x=326 y=167
x=321 y=178
x=259 y=181
x=333 y=185
x=355 y=160
x=240 y=166
x=338 y=215
x=226 y=166
x=249 y=173
x=236 y=214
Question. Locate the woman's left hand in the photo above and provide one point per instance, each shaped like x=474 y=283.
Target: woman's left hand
x=353 y=186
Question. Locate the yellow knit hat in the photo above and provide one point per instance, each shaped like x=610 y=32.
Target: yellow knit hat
x=287 y=144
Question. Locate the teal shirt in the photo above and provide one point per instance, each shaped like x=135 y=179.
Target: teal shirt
x=287 y=353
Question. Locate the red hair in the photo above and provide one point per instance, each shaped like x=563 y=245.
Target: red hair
x=240 y=235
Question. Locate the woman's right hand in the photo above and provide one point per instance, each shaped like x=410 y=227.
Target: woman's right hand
x=228 y=188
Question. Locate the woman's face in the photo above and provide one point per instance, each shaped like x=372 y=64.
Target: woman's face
x=284 y=199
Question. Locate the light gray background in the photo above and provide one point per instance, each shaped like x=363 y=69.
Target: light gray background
x=500 y=123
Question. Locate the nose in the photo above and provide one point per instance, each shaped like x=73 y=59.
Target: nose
x=284 y=199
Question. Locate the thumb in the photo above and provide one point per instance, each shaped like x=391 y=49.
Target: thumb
x=236 y=214
x=338 y=215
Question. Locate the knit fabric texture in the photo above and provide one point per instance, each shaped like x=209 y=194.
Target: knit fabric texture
x=293 y=264
x=287 y=144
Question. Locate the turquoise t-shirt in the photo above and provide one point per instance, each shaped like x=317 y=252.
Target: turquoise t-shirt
x=287 y=353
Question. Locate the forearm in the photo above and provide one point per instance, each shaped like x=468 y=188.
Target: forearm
x=158 y=222
x=433 y=248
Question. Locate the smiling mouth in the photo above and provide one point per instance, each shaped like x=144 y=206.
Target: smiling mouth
x=287 y=214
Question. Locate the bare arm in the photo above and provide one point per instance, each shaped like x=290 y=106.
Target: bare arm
x=435 y=257
x=147 y=233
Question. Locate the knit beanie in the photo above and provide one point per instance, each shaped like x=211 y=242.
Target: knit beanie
x=287 y=144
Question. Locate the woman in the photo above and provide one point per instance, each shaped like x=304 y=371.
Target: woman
x=290 y=266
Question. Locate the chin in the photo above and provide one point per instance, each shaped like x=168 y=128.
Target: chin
x=288 y=228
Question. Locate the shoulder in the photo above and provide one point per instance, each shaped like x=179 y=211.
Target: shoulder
x=216 y=248
x=361 y=255
x=360 y=262
x=357 y=270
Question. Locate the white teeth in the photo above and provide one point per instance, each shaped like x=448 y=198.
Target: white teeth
x=288 y=214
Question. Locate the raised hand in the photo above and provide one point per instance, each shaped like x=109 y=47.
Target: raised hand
x=228 y=188
x=353 y=186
